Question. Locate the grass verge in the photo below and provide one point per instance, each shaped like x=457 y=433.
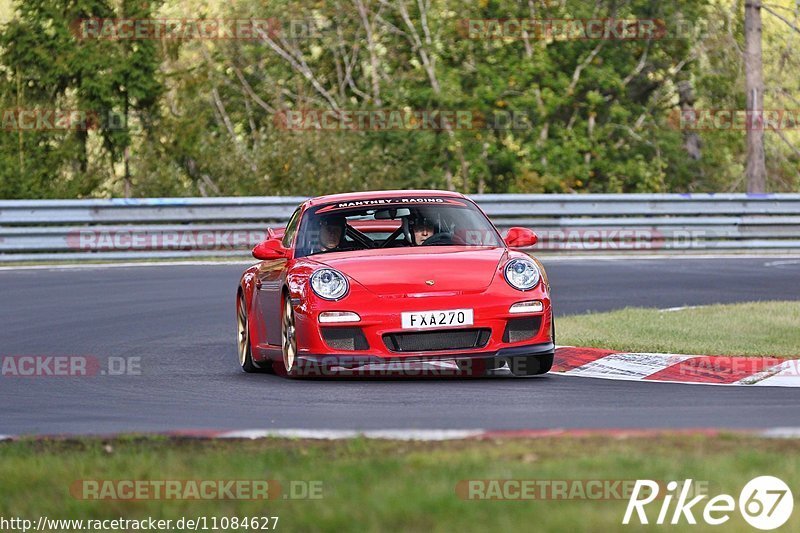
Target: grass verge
x=382 y=485
x=756 y=329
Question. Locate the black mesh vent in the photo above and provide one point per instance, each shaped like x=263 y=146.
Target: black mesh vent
x=349 y=339
x=519 y=329
x=428 y=341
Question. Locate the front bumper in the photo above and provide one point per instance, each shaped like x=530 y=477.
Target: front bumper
x=464 y=364
x=379 y=335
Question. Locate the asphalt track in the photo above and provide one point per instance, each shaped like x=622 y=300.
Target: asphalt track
x=180 y=321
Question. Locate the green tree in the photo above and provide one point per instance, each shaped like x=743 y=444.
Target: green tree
x=47 y=66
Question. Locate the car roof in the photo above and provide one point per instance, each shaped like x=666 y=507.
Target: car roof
x=366 y=195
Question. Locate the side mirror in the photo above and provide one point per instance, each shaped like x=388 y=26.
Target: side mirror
x=520 y=238
x=270 y=249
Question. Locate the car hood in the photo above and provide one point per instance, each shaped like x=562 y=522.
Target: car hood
x=403 y=271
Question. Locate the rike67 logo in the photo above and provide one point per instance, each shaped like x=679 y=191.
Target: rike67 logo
x=765 y=503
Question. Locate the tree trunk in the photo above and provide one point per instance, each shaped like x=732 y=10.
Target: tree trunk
x=127 y=152
x=755 y=172
x=686 y=99
x=19 y=132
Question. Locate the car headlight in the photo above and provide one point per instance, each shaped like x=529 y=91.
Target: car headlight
x=329 y=284
x=522 y=274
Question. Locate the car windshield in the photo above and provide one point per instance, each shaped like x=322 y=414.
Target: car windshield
x=394 y=223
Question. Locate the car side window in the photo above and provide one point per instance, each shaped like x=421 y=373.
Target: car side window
x=291 y=229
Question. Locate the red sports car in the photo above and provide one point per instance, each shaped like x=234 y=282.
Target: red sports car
x=397 y=278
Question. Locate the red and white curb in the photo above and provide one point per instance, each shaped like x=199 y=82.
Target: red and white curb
x=335 y=434
x=484 y=434
x=677 y=368
x=430 y=435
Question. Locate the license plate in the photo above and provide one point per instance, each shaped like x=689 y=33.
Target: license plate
x=437 y=319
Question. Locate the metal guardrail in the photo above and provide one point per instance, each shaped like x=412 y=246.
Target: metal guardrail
x=50 y=230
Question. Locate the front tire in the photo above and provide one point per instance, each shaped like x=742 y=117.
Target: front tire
x=289 y=339
x=532 y=365
x=245 y=348
x=535 y=365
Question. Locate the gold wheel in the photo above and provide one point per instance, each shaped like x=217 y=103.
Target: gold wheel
x=288 y=337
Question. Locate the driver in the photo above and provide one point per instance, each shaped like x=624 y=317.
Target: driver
x=421 y=229
x=331 y=233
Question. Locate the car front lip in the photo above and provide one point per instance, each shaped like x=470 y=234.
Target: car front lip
x=356 y=359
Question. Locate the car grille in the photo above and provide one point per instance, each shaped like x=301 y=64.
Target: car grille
x=519 y=329
x=342 y=338
x=428 y=341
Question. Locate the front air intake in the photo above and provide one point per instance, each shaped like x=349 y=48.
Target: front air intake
x=520 y=329
x=346 y=339
x=429 y=341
